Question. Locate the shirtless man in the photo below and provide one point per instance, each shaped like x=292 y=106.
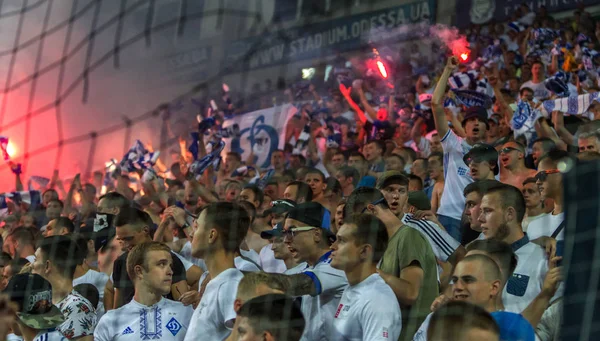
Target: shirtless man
x=512 y=158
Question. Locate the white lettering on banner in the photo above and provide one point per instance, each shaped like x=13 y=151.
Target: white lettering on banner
x=395 y=17
x=188 y=58
x=261 y=132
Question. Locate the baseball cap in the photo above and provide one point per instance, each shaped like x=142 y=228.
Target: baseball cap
x=367 y=181
x=513 y=326
x=277 y=231
x=33 y=294
x=280 y=206
x=482 y=152
x=103 y=237
x=476 y=112
x=391 y=178
x=419 y=200
x=312 y=214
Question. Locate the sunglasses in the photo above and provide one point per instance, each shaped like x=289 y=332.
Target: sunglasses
x=293 y=231
x=374 y=203
x=543 y=175
x=507 y=150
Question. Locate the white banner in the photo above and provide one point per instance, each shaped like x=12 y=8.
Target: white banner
x=260 y=132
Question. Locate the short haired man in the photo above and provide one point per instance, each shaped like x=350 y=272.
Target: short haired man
x=252 y=285
x=462 y=321
x=473 y=194
x=270 y=317
x=358 y=161
x=59 y=227
x=394 y=162
x=56 y=259
x=278 y=161
x=512 y=158
x=149 y=315
x=540 y=147
x=482 y=160
x=112 y=203
x=550 y=183
x=132 y=229
x=338 y=160
x=298 y=191
x=348 y=178
x=502 y=211
x=316 y=180
x=307 y=233
x=589 y=142
x=368 y=308
x=394 y=188
x=415 y=183
x=218 y=232
x=281 y=251
x=533 y=202
x=20 y=243
x=36 y=315
x=408 y=265
x=373 y=152
x=253 y=195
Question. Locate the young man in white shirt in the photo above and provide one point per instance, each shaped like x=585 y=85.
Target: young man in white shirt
x=533 y=202
x=56 y=259
x=149 y=315
x=457 y=173
x=368 y=309
x=502 y=211
x=473 y=194
x=308 y=236
x=536 y=84
x=219 y=230
x=550 y=184
x=272 y=317
x=281 y=251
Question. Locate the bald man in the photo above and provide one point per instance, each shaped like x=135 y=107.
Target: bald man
x=512 y=160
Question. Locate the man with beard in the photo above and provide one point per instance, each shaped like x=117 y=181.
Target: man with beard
x=533 y=202
x=550 y=183
x=502 y=212
x=394 y=187
x=482 y=160
x=541 y=147
x=455 y=147
x=512 y=158
x=149 y=265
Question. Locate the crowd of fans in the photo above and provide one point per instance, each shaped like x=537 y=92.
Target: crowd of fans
x=418 y=208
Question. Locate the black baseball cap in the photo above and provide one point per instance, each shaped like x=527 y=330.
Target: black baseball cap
x=391 y=178
x=482 y=152
x=277 y=231
x=33 y=294
x=280 y=206
x=476 y=112
x=103 y=237
x=312 y=214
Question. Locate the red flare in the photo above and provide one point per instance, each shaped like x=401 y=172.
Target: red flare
x=464 y=56
x=382 y=69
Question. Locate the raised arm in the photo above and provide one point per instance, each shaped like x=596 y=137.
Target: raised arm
x=437 y=101
x=346 y=93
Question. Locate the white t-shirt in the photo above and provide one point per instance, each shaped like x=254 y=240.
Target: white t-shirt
x=297 y=269
x=442 y=244
x=186 y=252
x=368 y=310
x=97 y=279
x=268 y=262
x=421 y=334
x=545 y=226
x=456 y=173
x=214 y=316
x=245 y=265
x=527 y=220
x=528 y=278
x=539 y=90
x=319 y=310
x=165 y=320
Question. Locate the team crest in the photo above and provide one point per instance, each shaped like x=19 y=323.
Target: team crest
x=173 y=326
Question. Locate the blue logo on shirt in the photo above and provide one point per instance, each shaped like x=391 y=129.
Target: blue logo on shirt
x=127 y=331
x=173 y=326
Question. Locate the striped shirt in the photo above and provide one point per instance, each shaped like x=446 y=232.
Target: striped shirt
x=442 y=244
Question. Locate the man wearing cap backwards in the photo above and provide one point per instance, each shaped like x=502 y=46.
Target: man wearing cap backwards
x=149 y=315
x=455 y=147
x=268 y=260
x=477 y=279
x=482 y=160
x=307 y=234
x=56 y=260
x=394 y=187
x=368 y=309
x=512 y=159
x=36 y=315
x=408 y=265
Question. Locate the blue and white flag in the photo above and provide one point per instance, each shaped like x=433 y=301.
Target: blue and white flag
x=212 y=158
x=40 y=181
x=572 y=105
x=32 y=198
x=470 y=98
x=524 y=118
x=138 y=157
